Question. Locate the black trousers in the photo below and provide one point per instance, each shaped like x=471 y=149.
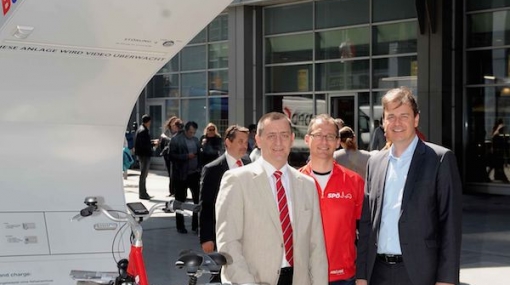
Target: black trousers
x=389 y=274
x=286 y=275
x=168 y=165
x=181 y=191
x=145 y=163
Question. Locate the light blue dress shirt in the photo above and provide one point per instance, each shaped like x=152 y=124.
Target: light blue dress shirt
x=396 y=175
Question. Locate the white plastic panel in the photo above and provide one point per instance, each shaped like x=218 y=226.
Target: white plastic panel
x=23 y=234
x=94 y=234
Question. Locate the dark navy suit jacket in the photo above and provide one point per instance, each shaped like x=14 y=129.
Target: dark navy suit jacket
x=209 y=187
x=430 y=216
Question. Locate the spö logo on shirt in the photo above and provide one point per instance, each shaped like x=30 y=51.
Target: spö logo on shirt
x=340 y=195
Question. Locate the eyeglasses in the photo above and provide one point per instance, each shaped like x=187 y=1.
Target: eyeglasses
x=211 y=130
x=328 y=137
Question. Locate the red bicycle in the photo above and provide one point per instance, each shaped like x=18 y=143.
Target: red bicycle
x=132 y=271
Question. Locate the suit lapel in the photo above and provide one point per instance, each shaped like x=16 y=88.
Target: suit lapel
x=263 y=187
x=412 y=174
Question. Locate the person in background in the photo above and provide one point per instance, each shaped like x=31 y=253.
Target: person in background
x=341 y=199
x=252 y=128
x=212 y=144
x=185 y=157
x=410 y=230
x=268 y=216
x=236 y=143
x=378 y=138
x=350 y=156
x=340 y=123
x=143 y=150
x=172 y=127
x=255 y=153
x=499 y=151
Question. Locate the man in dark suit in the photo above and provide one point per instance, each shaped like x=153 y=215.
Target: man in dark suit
x=143 y=150
x=236 y=144
x=410 y=230
x=184 y=155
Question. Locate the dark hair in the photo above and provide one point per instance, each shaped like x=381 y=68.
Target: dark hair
x=252 y=127
x=347 y=137
x=146 y=118
x=273 y=116
x=324 y=118
x=401 y=95
x=232 y=130
x=190 y=124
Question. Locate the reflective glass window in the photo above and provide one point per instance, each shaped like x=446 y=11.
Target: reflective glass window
x=488 y=29
x=395 y=38
x=290 y=18
x=218 y=113
x=193 y=57
x=289 y=78
x=195 y=110
x=487 y=152
x=472 y=5
x=394 y=72
x=172 y=107
x=345 y=75
x=200 y=38
x=171 y=66
x=218 y=82
x=343 y=44
x=488 y=66
x=289 y=48
x=218 y=55
x=165 y=85
x=337 y=13
x=389 y=10
x=193 y=84
x=218 y=29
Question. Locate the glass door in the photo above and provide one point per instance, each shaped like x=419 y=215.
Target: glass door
x=156 y=110
x=345 y=107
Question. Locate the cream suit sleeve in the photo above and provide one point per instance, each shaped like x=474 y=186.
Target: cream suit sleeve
x=230 y=227
x=318 y=257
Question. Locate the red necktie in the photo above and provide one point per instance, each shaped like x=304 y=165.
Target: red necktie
x=239 y=163
x=284 y=217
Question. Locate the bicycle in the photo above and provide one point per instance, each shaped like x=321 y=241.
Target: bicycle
x=132 y=270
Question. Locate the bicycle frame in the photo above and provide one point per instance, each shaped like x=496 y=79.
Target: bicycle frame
x=136 y=265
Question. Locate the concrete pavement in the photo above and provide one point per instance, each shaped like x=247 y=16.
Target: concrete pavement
x=485 y=242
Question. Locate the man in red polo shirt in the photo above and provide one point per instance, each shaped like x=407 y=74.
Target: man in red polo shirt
x=341 y=198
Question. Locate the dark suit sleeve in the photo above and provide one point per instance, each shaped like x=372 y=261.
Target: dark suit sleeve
x=364 y=228
x=177 y=152
x=449 y=201
x=208 y=192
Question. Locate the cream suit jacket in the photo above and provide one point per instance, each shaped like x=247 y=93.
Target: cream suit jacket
x=248 y=228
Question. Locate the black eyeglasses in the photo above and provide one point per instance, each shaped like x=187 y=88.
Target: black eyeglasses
x=328 y=137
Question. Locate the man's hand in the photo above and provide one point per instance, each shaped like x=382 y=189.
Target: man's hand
x=191 y=155
x=361 y=282
x=208 y=246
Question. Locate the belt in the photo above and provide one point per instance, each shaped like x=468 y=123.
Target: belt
x=390 y=258
x=286 y=270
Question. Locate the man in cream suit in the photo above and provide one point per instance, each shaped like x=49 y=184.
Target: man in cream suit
x=251 y=225
x=410 y=230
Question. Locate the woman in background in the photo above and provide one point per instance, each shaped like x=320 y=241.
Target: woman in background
x=212 y=144
x=350 y=156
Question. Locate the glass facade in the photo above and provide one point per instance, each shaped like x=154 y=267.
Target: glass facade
x=340 y=57
x=487 y=93
x=329 y=56
x=194 y=84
